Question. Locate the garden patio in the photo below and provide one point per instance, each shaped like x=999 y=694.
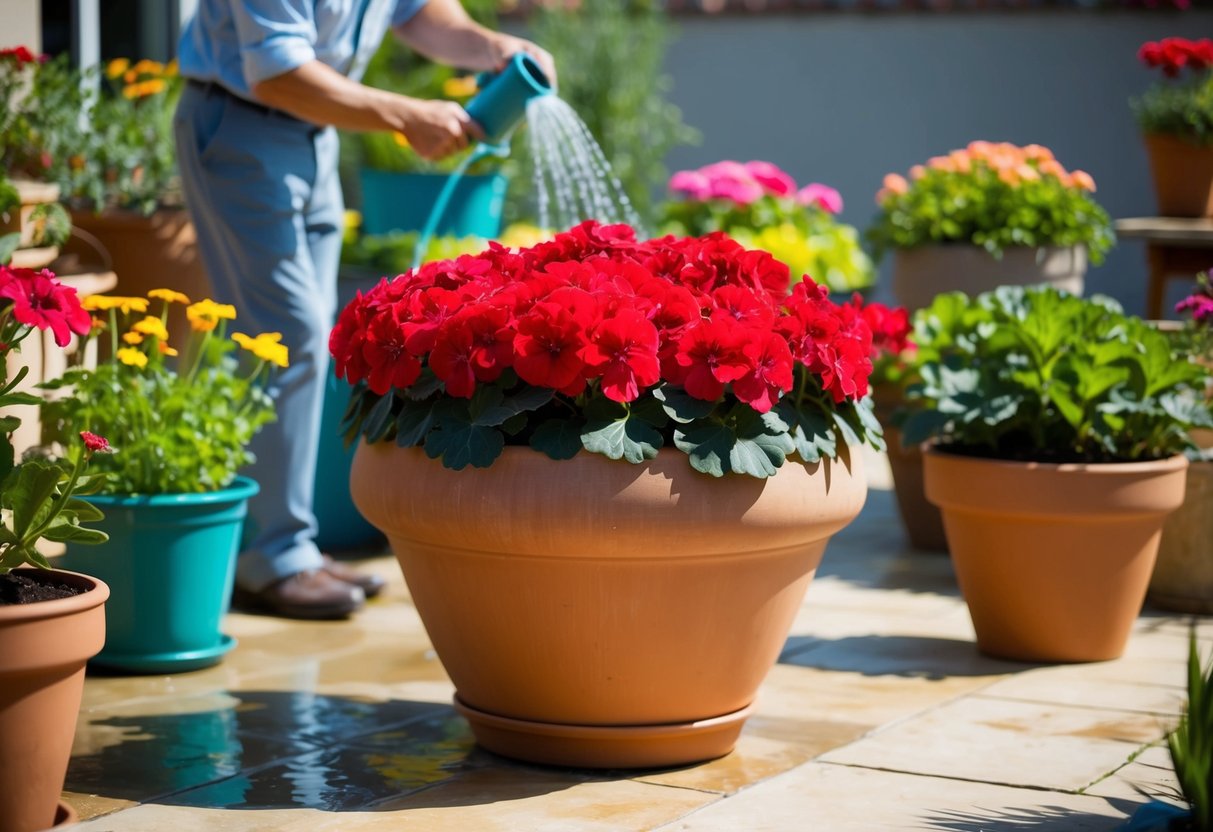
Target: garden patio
x=880 y=715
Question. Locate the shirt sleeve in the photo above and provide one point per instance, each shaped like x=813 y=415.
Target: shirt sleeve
x=275 y=36
x=405 y=9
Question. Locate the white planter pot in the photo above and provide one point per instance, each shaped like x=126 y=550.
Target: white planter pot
x=919 y=274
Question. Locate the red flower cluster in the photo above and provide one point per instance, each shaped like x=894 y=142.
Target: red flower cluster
x=40 y=300
x=890 y=327
x=1173 y=54
x=595 y=305
x=21 y=55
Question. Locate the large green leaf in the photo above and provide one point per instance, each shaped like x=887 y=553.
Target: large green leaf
x=680 y=405
x=624 y=438
x=558 y=438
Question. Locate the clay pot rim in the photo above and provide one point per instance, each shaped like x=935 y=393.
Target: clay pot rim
x=1170 y=463
x=96 y=594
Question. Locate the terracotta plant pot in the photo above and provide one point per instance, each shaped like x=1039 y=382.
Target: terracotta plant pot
x=1183 y=575
x=1182 y=174
x=598 y=613
x=919 y=274
x=923 y=521
x=155 y=252
x=1053 y=560
x=46 y=645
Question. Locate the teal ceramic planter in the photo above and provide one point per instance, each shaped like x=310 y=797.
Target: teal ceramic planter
x=170 y=563
x=402 y=202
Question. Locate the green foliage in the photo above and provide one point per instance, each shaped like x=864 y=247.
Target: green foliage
x=52 y=225
x=1181 y=108
x=392 y=253
x=986 y=207
x=718 y=437
x=1034 y=374
x=807 y=238
x=1191 y=744
x=182 y=429
x=40 y=107
x=609 y=58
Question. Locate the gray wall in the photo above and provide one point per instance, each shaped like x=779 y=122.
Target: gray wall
x=845 y=98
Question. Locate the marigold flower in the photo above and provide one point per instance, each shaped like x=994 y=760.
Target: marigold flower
x=125 y=305
x=401 y=139
x=95 y=442
x=117 y=67
x=165 y=349
x=151 y=325
x=267 y=346
x=132 y=357
x=148 y=67
x=459 y=87
x=206 y=314
x=132 y=338
x=170 y=295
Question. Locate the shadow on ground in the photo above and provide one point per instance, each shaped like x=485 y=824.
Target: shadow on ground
x=282 y=750
x=907 y=656
x=1037 y=819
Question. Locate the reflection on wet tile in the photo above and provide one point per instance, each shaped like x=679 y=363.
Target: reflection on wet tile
x=306 y=717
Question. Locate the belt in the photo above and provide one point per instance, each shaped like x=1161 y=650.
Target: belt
x=215 y=88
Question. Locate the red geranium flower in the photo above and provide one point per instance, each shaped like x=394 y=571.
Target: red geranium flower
x=39 y=300
x=95 y=443
x=710 y=355
x=770 y=372
x=623 y=351
x=548 y=347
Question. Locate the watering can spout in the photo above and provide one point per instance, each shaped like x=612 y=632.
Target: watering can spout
x=501 y=103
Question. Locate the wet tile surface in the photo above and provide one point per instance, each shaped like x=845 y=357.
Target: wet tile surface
x=880 y=714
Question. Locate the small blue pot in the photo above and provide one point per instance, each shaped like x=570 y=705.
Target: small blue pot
x=169 y=562
x=403 y=201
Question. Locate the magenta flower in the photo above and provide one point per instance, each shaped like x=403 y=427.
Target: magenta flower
x=691 y=183
x=823 y=196
x=39 y=300
x=1201 y=307
x=772 y=178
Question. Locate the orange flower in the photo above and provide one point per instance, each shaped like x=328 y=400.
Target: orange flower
x=1082 y=179
x=896 y=183
x=961 y=160
x=1038 y=153
x=943 y=163
x=1009 y=175
x=1052 y=167
x=918 y=172
x=1027 y=173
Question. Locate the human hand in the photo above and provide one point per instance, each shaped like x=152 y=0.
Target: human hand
x=505 y=47
x=437 y=128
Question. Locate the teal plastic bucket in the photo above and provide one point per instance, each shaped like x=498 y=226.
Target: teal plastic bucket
x=169 y=562
x=402 y=202
x=341 y=526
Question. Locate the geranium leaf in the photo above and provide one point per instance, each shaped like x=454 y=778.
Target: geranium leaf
x=82 y=510
x=708 y=444
x=681 y=406
x=872 y=429
x=650 y=410
x=426 y=385
x=558 y=438
x=379 y=420
x=30 y=496
x=632 y=439
x=460 y=443
x=8 y=244
x=414 y=422
x=493 y=408
x=812 y=433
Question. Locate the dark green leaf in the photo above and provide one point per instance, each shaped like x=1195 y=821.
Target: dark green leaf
x=558 y=438
x=681 y=406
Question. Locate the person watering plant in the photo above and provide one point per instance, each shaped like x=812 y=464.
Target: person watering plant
x=267 y=83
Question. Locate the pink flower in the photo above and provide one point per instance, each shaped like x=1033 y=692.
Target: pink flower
x=896 y=183
x=692 y=183
x=772 y=178
x=93 y=442
x=39 y=300
x=823 y=196
x=741 y=191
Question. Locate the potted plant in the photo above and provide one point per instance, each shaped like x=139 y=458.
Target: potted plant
x=892 y=361
x=173 y=502
x=608 y=469
x=1183 y=575
x=760 y=206
x=51 y=620
x=1176 y=117
x=1059 y=426
x=988 y=215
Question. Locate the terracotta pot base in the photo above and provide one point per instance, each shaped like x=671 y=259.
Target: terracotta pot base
x=598 y=746
x=65 y=814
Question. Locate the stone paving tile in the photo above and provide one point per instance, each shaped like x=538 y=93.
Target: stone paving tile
x=1148 y=773
x=94 y=805
x=758 y=756
x=1012 y=743
x=157 y=818
x=845 y=799
x=1042 y=685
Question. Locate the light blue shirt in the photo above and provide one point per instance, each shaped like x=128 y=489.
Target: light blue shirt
x=239 y=43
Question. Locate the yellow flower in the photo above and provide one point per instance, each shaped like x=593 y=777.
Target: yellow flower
x=130 y=91
x=125 y=305
x=267 y=346
x=132 y=357
x=165 y=349
x=170 y=295
x=148 y=67
x=116 y=67
x=151 y=325
x=130 y=76
x=401 y=139
x=205 y=314
x=132 y=337
x=459 y=87
x=170 y=69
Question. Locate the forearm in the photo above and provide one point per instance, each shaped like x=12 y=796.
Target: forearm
x=442 y=31
x=319 y=94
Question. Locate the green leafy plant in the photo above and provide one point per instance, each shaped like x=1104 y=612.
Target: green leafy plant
x=1181 y=106
x=1191 y=744
x=996 y=196
x=609 y=55
x=41 y=101
x=179 y=429
x=759 y=206
x=1034 y=374
x=39 y=500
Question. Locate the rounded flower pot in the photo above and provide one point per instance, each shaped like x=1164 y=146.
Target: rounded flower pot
x=919 y=274
x=1183 y=575
x=598 y=613
x=1182 y=173
x=46 y=646
x=922 y=520
x=1053 y=560
x=170 y=562
x=394 y=201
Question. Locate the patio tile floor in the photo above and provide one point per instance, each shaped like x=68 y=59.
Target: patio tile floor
x=881 y=715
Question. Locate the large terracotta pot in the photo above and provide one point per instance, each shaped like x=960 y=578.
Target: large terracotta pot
x=919 y=274
x=1053 y=560
x=1182 y=173
x=154 y=252
x=46 y=645
x=598 y=613
x=922 y=521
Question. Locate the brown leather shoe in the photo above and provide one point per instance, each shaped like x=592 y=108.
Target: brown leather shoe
x=371 y=585
x=314 y=594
